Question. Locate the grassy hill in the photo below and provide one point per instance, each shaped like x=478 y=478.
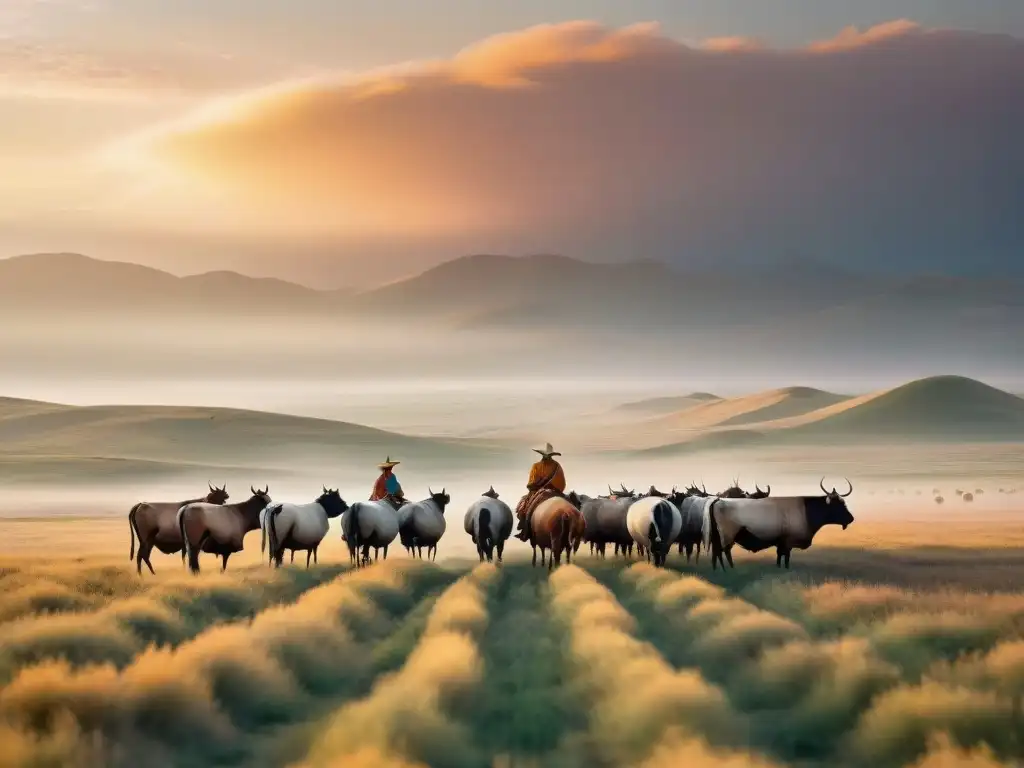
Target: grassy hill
x=941 y=408
x=750 y=409
x=117 y=440
x=944 y=407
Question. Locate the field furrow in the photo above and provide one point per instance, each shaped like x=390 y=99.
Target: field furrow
x=875 y=693
x=203 y=702
x=528 y=710
x=420 y=715
x=165 y=615
x=641 y=711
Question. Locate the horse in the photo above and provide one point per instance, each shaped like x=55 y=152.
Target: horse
x=369 y=524
x=422 y=524
x=301 y=526
x=219 y=529
x=489 y=522
x=557 y=524
x=155 y=525
x=654 y=523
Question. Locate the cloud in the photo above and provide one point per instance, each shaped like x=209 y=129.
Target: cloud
x=896 y=141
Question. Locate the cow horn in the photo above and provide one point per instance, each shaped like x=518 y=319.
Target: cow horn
x=757 y=487
x=325 y=489
x=253 y=490
x=768 y=490
x=610 y=491
x=443 y=493
x=821 y=484
x=851 y=487
x=210 y=485
x=430 y=490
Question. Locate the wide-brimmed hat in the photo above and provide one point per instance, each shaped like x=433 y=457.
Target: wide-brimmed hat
x=388 y=464
x=547 y=450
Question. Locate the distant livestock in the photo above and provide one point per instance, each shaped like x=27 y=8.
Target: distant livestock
x=422 y=524
x=939 y=500
x=786 y=523
x=489 y=522
x=605 y=520
x=695 y=523
x=654 y=524
x=369 y=524
x=968 y=497
x=219 y=529
x=156 y=525
x=300 y=527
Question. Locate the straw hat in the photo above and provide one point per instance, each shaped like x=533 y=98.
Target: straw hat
x=547 y=452
x=388 y=464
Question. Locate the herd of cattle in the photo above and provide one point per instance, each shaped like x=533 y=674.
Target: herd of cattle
x=649 y=523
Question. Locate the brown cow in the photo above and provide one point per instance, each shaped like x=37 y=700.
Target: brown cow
x=557 y=524
x=219 y=530
x=156 y=525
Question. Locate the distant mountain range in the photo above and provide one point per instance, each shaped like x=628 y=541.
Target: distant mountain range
x=492 y=291
x=796 y=316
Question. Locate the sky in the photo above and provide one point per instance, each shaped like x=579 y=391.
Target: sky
x=322 y=141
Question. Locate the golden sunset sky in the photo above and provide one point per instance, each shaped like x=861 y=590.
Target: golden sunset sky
x=197 y=132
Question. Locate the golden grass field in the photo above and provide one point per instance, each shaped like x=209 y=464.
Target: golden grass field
x=894 y=643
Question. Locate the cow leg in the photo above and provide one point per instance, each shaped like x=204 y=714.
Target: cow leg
x=224 y=564
x=433 y=557
x=315 y=560
x=728 y=556
x=293 y=557
x=501 y=550
x=788 y=553
x=778 y=557
x=535 y=556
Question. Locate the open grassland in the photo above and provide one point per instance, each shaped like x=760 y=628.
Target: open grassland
x=911 y=655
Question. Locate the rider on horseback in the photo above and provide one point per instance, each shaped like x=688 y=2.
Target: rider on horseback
x=387 y=488
x=547 y=480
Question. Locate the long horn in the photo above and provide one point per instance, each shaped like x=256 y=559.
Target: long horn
x=211 y=485
x=325 y=489
x=768 y=490
x=757 y=487
x=610 y=491
x=443 y=491
x=253 y=490
x=430 y=490
x=851 y=487
x=821 y=484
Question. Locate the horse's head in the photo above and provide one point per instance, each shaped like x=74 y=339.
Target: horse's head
x=332 y=502
x=442 y=499
x=217 y=495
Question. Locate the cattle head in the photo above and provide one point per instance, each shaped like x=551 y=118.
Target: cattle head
x=654 y=492
x=759 y=494
x=442 y=499
x=622 y=493
x=734 y=491
x=574 y=499
x=332 y=502
x=490 y=493
x=217 y=495
x=835 y=511
x=262 y=495
x=693 y=490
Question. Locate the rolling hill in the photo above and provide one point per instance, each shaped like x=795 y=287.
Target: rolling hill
x=664 y=405
x=750 y=409
x=952 y=409
x=117 y=440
